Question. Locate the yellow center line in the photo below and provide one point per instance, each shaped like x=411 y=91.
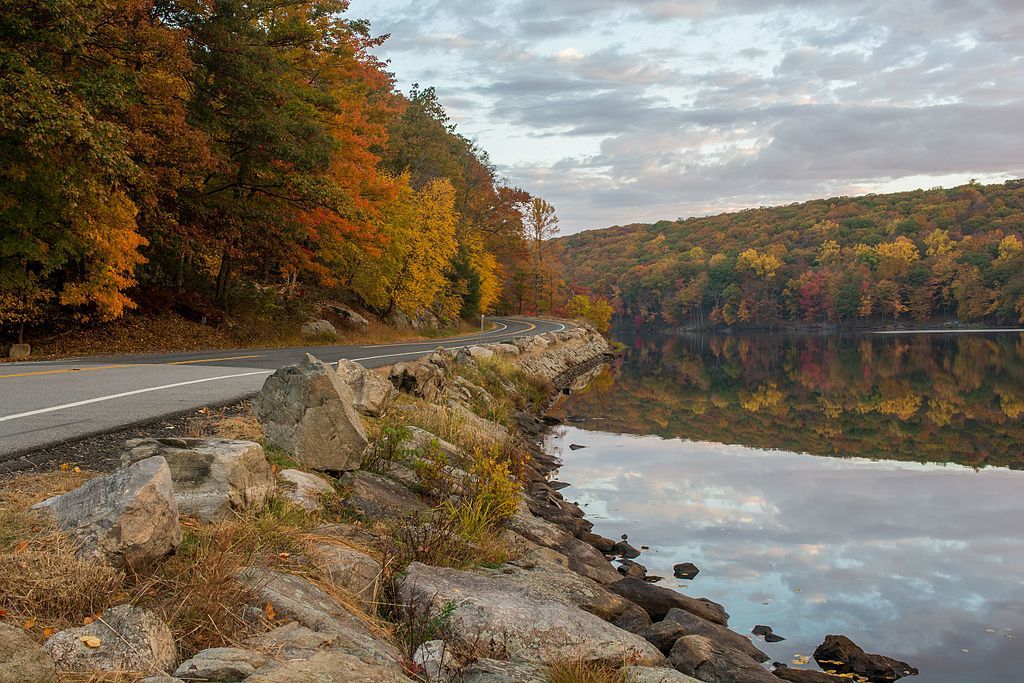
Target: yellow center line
x=210 y=360
x=64 y=370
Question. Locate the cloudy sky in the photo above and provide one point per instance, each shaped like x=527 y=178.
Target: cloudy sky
x=640 y=110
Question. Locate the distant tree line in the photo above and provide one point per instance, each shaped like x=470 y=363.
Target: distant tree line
x=924 y=255
x=213 y=150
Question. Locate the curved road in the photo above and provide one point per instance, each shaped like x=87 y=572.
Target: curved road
x=52 y=402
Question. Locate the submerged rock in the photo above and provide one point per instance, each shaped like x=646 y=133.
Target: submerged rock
x=767 y=633
x=843 y=655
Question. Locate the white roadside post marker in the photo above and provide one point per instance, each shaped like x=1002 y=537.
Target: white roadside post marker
x=481 y=322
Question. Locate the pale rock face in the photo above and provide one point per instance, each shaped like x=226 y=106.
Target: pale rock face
x=531 y=627
x=647 y=674
x=319 y=328
x=130 y=639
x=356 y=572
x=349 y=318
x=372 y=394
x=303 y=489
x=436 y=660
x=128 y=518
x=500 y=671
x=420 y=378
x=329 y=667
x=211 y=477
x=308 y=411
x=21 y=659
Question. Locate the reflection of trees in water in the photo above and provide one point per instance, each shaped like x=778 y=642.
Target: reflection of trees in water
x=937 y=398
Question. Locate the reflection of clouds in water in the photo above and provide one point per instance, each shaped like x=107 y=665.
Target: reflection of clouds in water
x=916 y=561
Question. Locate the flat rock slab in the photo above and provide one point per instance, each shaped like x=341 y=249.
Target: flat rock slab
x=648 y=674
x=22 y=659
x=329 y=667
x=295 y=641
x=500 y=671
x=211 y=477
x=307 y=410
x=531 y=627
x=294 y=597
x=356 y=572
x=128 y=518
x=125 y=638
x=304 y=489
x=376 y=496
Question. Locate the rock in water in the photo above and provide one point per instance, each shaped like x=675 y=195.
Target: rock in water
x=534 y=628
x=685 y=570
x=843 y=655
x=372 y=394
x=575 y=446
x=624 y=549
x=125 y=638
x=211 y=477
x=21 y=659
x=307 y=410
x=128 y=518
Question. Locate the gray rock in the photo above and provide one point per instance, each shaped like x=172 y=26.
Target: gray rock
x=685 y=570
x=295 y=641
x=378 y=497
x=648 y=674
x=434 y=657
x=583 y=558
x=696 y=626
x=329 y=667
x=658 y=601
x=303 y=489
x=20 y=351
x=505 y=349
x=347 y=568
x=420 y=378
x=372 y=393
x=128 y=518
x=499 y=671
x=471 y=354
x=663 y=635
x=222 y=664
x=714 y=662
x=211 y=477
x=131 y=639
x=491 y=431
x=22 y=660
x=349 y=318
x=319 y=328
x=293 y=597
x=530 y=627
x=307 y=410
x=422 y=440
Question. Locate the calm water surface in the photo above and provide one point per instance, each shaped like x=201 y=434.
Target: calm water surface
x=867 y=485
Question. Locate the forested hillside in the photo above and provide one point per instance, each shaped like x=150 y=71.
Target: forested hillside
x=204 y=153
x=940 y=254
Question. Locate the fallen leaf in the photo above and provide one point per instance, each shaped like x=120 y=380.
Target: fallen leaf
x=87 y=621
x=47 y=632
x=284 y=556
x=21 y=545
x=65 y=466
x=77 y=469
x=269 y=611
x=91 y=641
x=29 y=624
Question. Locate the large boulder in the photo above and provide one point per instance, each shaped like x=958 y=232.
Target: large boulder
x=128 y=518
x=372 y=393
x=420 y=378
x=319 y=328
x=211 y=477
x=304 y=489
x=658 y=601
x=21 y=659
x=307 y=410
x=536 y=628
x=696 y=626
x=348 y=317
x=354 y=571
x=222 y=664
x=714 y=662
x=329 y=667
x=125 y=638
x=845 y=656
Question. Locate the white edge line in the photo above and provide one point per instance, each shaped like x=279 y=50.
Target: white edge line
x=130 y=393
x=111 y=397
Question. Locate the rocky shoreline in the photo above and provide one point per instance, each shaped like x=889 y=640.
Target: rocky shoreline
x=378 y=528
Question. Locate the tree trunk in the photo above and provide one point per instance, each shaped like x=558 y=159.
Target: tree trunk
x=223 y=276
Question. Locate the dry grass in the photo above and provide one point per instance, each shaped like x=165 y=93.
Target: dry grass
x=226 y=423
x=582 y=671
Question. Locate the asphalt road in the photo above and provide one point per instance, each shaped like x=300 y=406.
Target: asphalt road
x=52 y=402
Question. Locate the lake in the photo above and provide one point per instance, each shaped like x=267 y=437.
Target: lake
x=863 y=485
